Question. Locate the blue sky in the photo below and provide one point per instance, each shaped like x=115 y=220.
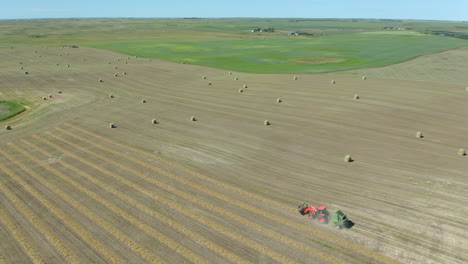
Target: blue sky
x=410 y=9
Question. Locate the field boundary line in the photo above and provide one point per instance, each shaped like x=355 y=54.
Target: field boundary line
x=66 y=219
x=20 y=238
x=212 y=246
x=325 y=236
x=190 y=197
x=46 y=232
x=69 y=199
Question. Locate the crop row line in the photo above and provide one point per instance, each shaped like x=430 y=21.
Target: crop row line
x=65 y=218
x=95 y=218
x=156 y=215
x=187 y=196
x=22 y=240
x=256 y=210
x=46 y=232
x=196 y=216
x=133 y=245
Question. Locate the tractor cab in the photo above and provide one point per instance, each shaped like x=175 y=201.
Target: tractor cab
x=322 y=214
x=322 y=210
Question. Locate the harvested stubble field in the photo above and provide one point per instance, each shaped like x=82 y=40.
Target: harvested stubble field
x=225 y=189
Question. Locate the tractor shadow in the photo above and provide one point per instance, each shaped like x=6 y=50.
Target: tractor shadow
x=349 y=224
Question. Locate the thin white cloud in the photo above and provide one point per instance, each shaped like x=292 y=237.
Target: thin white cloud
x=52 y=10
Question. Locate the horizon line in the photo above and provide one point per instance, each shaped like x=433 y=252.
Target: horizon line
x=185 y=17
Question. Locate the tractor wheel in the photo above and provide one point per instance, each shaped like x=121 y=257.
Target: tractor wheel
x=323 y=220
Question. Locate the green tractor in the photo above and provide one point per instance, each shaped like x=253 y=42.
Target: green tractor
x=340 y=220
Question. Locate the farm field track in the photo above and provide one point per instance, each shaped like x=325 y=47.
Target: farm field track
x=225 y=188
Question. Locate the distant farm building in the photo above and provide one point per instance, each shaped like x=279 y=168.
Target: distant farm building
x=270 y=29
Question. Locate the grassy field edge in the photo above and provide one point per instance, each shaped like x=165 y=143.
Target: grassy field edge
x=15 y=108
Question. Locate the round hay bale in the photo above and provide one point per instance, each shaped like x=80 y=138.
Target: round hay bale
x=230 y=73
x=356 y=96
x=203 y=77
x=266 y=123
x=44 y=98
x=109 y=62
x=124 y=73
x=128 y=58
x=111 y=96
x=333 y=82
x=60 y=55
x=112 y=125
x=59 y=91
x=278 y=100
x=57 y=64
x=68 y=53
x=126 y=62
x=68 y=65
x=118 y=59
x=348 y=158
x=236 y=78
x=100 y=80
x=7 y=127
x=461 y=152
x=209 y=83
x=50 y=96
x=295 y=77
x=419 y=134
x=20 y=62
x=193 y=118
x=21 y=67
x=26 y=73
x=143 y=101
x=241 y=91
x=183 y=62
x=150 y=60
x=116 y=75
x=115 y=67
x=154 y=121
x=364 y=78
x=245 y=86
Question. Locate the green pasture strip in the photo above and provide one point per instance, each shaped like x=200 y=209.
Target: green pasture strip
x=14 y=108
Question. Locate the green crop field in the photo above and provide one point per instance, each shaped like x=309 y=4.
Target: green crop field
x=293 y=55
